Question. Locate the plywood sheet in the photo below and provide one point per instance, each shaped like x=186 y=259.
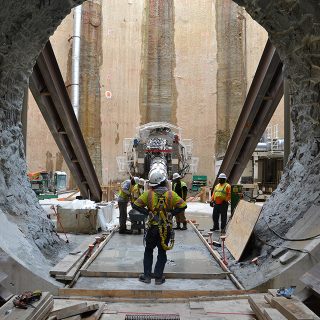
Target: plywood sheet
x=241 y=226
x=312 y=278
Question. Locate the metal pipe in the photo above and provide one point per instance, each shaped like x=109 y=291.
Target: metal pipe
x=75 y=78
x=217 y=257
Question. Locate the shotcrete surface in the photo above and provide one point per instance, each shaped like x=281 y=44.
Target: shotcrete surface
x=293 y=28
x=24 y=30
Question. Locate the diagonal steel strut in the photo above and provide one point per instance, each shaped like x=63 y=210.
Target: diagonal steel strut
x=48 y=89
x=262 y=100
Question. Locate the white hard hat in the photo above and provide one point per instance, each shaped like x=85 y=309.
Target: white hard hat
x=176 y=176
x=141 y=182
x=136 y=180
x=156 y=177
x=222 y=176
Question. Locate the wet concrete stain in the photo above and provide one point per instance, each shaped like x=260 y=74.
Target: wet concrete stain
x=231 y=73
x=117 y=134
x=90 y=97
x=158 y=97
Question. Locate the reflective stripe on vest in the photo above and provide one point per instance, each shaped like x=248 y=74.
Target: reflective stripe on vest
x=220 y=192
x=168 y=195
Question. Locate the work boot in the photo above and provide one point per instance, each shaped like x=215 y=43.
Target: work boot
x=177 y=227
x=125 y=231
x=159 y=281
x=144 y=278
x=184 y=226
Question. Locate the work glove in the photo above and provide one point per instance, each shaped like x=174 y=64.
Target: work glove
x=212 y=204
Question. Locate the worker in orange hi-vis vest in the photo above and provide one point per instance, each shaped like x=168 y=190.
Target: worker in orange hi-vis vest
x=219 y=201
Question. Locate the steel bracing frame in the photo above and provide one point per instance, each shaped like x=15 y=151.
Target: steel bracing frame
x=49 y=91
x=262 y=100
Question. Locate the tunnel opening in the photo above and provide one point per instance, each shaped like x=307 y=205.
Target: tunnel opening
x=297 y=48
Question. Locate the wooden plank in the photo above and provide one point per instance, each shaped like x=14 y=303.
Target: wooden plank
x=168 y=275
x=240 y=227
x=69 y=261
x=77 y=317
x=273 y=314
x=258 y=304
x=148 y=293
x=45 y=311
x=268 y=298
x=69 y=310
x=217 y=257
x=273 y=292
x=100 y=247
x=96 y=315
x=72 y=272
x=312 y=278
x=75 y=310
x=293 y=309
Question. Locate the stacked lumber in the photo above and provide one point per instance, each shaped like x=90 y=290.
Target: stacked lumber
x=67 y=268
x=270 y=307
x=82 y=310
x=39 y=310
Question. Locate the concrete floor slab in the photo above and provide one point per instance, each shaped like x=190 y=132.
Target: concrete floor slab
x=124 y=253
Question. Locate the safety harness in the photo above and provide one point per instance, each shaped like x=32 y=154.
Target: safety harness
x=159 y=217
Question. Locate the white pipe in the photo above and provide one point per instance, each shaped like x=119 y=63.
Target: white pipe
x=75 y=78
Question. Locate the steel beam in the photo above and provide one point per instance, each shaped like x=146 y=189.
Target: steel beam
x=49 y=91
x=263 y=98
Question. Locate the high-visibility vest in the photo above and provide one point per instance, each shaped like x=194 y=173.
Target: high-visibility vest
x=183 y=184
x=152 y=201
x=124 y=196
x=221 y=193
x=136 y=192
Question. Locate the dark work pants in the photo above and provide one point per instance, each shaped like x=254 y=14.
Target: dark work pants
x=122 y=214
x=181 y=217
x=153 y=240
x=220 y=209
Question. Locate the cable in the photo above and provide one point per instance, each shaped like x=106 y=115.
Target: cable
x=289 y=248
x=289 y=239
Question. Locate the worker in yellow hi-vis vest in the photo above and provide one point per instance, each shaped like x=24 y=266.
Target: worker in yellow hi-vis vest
x=161 y=205
x=220 y=200
x=125 y=195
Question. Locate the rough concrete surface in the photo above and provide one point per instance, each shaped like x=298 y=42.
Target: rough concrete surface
x=293 y=28
x=160 y=95
x=90 y=95
x=24 y=30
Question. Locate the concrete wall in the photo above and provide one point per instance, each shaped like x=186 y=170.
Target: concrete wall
x=121 y=77
x=119 y=74
x=196 y=69
x=42 y=151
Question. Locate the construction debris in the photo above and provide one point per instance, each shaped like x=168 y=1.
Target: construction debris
x=39 y=310
x=271 y=307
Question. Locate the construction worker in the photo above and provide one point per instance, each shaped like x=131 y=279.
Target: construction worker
x=137 y=190
x=125 y=194
x=161 y=205
x=181 y=189
x=220 y=200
